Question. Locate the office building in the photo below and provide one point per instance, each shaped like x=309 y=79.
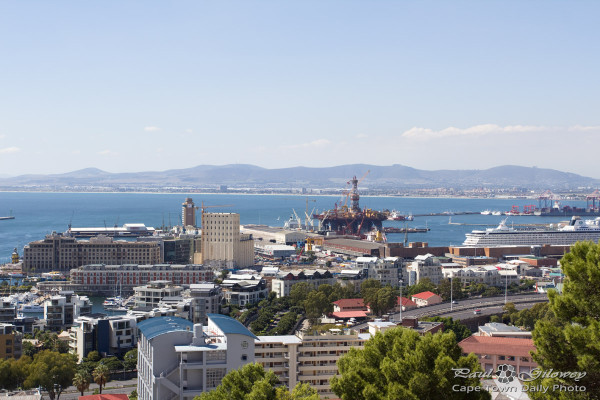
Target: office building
x=10 y=341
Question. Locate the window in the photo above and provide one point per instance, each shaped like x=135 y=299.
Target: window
x=244 y=357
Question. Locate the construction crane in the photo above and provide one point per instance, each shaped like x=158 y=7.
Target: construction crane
x=309 y=220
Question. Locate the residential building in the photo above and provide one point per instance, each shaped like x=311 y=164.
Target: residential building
x=60 y=311
x=307 y=358
x=424 y=266
x=421 y=327
x=388 y=271
x=179 y=359
x=222 y=243
x=8 y=311
x=109 y=336
x=349 y=305
x=314 y=277
x=151 y=294
x=424 y=299
x=10 y=341
x=407 y=304
x=243 y=289
x=206 y=298
x=58 y=252
x=498 y=329
x=493 y=351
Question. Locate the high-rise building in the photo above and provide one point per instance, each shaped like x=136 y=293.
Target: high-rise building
x=188 y=213
x=222 y=242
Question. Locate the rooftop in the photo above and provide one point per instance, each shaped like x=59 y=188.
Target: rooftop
x=424 y=295
x=494 y=345
x=229 y=325
x=154 y=327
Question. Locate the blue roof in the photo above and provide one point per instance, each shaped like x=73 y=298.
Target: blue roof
x=157 y=326
x=230 y=325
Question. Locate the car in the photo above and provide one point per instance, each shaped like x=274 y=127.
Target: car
x=454 y=302
x=477 y=312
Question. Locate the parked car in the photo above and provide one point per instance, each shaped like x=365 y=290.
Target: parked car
x=477 y=312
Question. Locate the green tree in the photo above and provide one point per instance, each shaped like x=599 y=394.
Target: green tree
x=568 y=340
x=112 y=363
x=299 y=292
x=460 y=330
x=133 y=395
x=51 y=371
x=130 y=359
x=315 y=305
x=28 y=349
x=424 y=285
x=400 y=364
x=101 y=375
x=527 y=317
x=302 y=391
x=81 y=381
x=445 y=292
x=94 y=356
x=251 y=382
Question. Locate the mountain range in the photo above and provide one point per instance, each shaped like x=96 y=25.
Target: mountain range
x=251 y=176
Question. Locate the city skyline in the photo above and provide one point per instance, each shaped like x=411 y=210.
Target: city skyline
x=430 y=85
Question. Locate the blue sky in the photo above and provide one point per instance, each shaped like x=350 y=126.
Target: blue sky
x=154 y=85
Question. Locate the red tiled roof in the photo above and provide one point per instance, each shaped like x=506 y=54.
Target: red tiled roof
x=494 y=345
x=350 y=303
x=105 y=397
x=424 y=295
x=406 y=302
x=349 y=314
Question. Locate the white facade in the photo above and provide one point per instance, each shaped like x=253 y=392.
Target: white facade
x=243 y=289
x=180 y=360
x=425 y=266
x=388 y=271
x=108 y=335
x=151 y=294
x=284 y=281
x=487 y=274
x=306 y=358
x=61 y=310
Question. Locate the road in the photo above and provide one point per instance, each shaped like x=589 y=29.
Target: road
x=464 y=309
x=112 y=387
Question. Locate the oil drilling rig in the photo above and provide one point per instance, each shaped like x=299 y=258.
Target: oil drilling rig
x=351 y=220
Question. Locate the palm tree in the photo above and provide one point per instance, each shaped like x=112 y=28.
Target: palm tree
x=101 y=375
x=81 y=381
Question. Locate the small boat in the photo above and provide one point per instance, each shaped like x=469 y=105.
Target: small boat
x=16 y=275
x=496 y=213
x=486 y=212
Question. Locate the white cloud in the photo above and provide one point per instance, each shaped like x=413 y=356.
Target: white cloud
x=580 y=128
x=152 y=128
x=9 y=150
x=107 y=153
x=189 y=131
x=477 y=130
x=361 y=136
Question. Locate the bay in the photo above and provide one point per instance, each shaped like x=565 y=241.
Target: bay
x=38 y=214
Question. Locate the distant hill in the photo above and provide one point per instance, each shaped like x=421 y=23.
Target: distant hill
x=243 y=175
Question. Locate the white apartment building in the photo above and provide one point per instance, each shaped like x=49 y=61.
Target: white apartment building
x=110 y=336
x=284 y=281
x=424 y=266
x=60 y=311
x=486 y=274
x=151 y=294
x=206 y=298
x=307 y=358
x=223 y=244
x=181 y=360
x=388 y=271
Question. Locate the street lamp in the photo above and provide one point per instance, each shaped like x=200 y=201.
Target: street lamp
x=505 y=288
x=401 y=284
x=451 y=293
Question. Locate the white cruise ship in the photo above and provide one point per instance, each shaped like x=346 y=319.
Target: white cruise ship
x=577 y=230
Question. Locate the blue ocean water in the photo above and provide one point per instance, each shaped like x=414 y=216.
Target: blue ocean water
x=38 y=214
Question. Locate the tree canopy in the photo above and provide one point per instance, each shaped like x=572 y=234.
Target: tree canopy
x=252 y=382
x=51 y=371
x=400 y=364
x=569 y=338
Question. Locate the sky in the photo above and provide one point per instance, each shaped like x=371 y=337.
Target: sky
x=129 y=86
